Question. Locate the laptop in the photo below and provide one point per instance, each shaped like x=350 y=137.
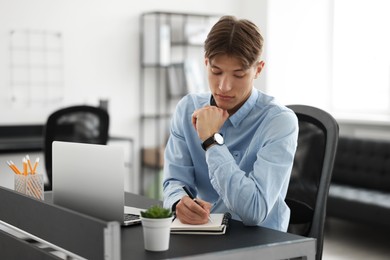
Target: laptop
x=89 y=178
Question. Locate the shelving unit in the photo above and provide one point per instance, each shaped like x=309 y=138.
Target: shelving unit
x=171 y=61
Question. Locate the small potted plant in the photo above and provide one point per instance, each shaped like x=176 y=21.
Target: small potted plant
x=156 y=223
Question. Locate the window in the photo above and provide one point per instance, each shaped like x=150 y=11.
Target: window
x=297 y=52
x=331 y=54
x=361 y=57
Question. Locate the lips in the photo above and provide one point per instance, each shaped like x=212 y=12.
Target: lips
x=224 y=97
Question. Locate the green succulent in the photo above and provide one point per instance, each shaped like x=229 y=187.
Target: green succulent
x=156 y=211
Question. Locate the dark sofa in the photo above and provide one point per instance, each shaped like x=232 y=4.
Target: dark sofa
x=360 y=187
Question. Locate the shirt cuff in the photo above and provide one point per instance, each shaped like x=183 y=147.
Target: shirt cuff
x=174 y=206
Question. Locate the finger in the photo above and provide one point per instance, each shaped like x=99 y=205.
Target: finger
x=194 y=118
x=200 y=208
x=191 y=211
x=192 y=205
x=204 y=204
x=187 y=216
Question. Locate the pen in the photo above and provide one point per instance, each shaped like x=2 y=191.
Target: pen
x=193 y=198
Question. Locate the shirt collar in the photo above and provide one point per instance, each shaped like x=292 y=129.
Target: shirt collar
x=244 y=110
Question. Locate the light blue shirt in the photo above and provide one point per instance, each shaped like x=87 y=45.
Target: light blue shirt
x=248 y=176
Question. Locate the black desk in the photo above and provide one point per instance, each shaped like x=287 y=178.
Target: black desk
x=26 y=138
x=239 y=241
x=21 y=138
x=72 y=231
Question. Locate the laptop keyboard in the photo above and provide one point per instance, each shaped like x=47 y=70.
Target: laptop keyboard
x=130 y=217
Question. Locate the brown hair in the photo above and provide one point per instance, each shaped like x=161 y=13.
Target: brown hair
x=234 y=37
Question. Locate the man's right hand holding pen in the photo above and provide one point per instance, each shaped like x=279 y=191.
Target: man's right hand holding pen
x=193 y=211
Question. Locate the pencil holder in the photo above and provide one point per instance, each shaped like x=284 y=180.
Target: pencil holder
x=31 y=185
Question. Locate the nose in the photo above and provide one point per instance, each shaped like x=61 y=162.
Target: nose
x=225 y=84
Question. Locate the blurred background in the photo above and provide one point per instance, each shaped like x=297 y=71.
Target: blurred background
x=137 y=59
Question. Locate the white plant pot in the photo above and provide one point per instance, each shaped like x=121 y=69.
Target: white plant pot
x=156 y=233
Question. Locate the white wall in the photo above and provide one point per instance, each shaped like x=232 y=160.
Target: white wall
x=300 y=51
x=100 y=52
x=257 y=12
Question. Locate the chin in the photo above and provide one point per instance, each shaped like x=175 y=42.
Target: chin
x=224 y=106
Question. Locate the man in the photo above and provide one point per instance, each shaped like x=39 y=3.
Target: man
x=233 y=148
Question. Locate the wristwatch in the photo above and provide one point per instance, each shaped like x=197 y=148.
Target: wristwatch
x=216 y=138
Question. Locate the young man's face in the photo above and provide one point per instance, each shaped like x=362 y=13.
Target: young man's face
x=229 y=82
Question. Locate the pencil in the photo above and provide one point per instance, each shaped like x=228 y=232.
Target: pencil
x=24 y=166
x=35 y=165
x=29 y=164
x=13 y=167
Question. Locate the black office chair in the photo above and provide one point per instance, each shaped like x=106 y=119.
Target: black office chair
x=311 y=174
x=81 y=124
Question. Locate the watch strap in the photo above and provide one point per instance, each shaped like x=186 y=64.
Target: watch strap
x=209 y=141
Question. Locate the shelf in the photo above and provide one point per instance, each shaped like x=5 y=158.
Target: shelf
x=185 y=43
x=199 y=15
x=154 y=66
x=170 y=59
x=156 y=116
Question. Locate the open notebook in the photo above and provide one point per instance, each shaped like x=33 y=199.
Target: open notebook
x=217 y=226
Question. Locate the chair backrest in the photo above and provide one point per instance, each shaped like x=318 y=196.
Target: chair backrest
x=82 y=124
x=312 y=171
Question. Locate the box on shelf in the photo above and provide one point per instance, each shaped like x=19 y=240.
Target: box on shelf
x=153 y=157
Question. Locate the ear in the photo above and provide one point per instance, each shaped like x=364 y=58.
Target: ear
x=259 y=68
x=206 y=61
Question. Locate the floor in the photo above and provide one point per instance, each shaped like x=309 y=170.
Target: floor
x=345 y=240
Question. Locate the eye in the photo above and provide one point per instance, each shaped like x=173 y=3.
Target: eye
x=239 y=76
x=216 y=72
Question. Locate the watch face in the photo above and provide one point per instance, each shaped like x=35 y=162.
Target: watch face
x=218 y=138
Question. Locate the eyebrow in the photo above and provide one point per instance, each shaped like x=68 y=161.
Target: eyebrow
x=237 y=70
